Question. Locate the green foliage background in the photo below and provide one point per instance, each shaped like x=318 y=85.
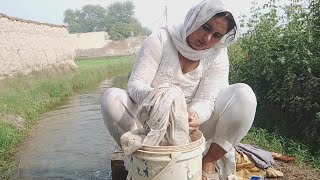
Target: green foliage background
x=279 y=57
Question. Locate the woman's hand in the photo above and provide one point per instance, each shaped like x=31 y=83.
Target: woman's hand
x=194 y=122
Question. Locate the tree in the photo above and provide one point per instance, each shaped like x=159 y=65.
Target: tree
x=90 y=19
x=117 y=19
x=121 y=12
x=93 y=17
x=121 y=21
x=72 y=19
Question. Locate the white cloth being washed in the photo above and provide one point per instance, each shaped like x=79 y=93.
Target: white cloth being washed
x=164 y=118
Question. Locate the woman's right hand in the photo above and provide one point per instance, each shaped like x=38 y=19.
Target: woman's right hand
x=194 y=122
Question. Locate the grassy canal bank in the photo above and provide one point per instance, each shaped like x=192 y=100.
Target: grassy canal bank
x=23 y=99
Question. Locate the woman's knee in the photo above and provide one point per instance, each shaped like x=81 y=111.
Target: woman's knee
x=111 y=104
x=237 y=106
x=244 y=93
x=245 y=105
x=109 y=97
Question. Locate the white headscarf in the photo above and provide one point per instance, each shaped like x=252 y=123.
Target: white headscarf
x=196 y=17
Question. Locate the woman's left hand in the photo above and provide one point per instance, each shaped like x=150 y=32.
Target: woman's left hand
x=194 y=122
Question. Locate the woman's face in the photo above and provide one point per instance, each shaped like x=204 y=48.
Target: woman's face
x=209 y=34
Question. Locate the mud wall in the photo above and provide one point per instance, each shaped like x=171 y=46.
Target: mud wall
x=113 y=48
x=27 y=46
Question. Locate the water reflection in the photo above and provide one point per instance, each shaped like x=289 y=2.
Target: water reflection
x=70 y=142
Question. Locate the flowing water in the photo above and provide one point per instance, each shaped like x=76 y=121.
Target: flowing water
x=70 y=142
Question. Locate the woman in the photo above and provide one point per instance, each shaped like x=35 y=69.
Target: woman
x=194 y=57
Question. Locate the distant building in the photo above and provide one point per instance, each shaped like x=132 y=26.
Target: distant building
x=95 y=44
x=91 y=40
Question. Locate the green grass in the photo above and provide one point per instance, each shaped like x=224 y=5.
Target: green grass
x=273 y=142
x=30 y=96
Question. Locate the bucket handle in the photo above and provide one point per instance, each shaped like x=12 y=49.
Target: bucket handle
x=174 y=158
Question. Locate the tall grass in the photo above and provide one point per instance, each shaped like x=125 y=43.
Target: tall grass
x=27 y=97
x=274 y=142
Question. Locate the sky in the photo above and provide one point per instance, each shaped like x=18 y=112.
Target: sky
x=148 y=12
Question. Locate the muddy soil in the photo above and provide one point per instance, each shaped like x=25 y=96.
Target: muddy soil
x=295 y=171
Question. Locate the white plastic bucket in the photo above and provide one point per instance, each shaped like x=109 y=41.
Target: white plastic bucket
x=169 y=162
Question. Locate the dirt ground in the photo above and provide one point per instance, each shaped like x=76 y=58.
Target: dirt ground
x=294 y=171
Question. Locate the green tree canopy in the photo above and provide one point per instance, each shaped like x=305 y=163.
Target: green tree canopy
x=121 y=12
x=117 y=19
x=90 y=18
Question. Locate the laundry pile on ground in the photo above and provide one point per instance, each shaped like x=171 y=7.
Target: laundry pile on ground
x=253 y=161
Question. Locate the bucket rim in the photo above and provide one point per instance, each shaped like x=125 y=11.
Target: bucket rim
x=180 y=148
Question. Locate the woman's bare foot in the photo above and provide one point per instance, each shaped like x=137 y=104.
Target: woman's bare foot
x=208 y=166
x=215 y=152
